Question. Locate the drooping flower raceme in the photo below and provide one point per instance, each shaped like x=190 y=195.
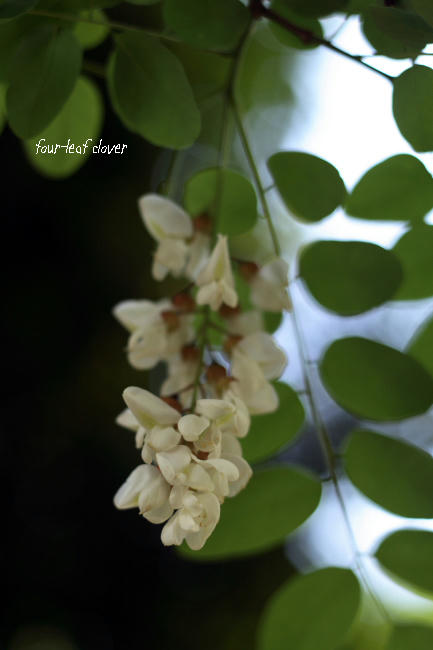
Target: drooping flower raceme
x=190 y=438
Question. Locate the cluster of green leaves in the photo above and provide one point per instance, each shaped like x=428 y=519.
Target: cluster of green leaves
x=156 y=81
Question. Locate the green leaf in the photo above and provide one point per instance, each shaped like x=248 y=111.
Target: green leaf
x=411 y=637
x=11 y=35
x=43 y=74
x=143 y=2
x=79 y=120
x=207 y=72
x=414 y=250
x=376 y=464
x=349 y=277
x=396 y=33
x=271 y=432
x=13 y=8
x=207 y=24
x=412 y=106
x=151 y=93
x=306 y=24
x=425 y=9
x=408 y=555
x=315 y=8
x=421 y=345
x=310 y=187
x=374 y=381
x=89 y=35
x=310 y=612
x=225 y=195
x=398 y=189
x=275 y=502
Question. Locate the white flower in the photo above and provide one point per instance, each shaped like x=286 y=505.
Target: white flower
x=170 y=226
x=216 y=279
x=222 y=472
x=244 y=473
x=181 y=374
x=179 y=468
x=197 y=254
x=262 y=348
x=269 y=286
x=149 y=409
x=146 y=489
x=153 y=421
x=251 y=385
x=194 y=521
x=239 y=424
x=245 y=323
x=158 y=333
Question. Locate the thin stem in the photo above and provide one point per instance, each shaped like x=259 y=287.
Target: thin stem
x=255 y=172
x=202 y=348
x=307 y=36
x=330 y=457
x=320 y=426
x=106 y=23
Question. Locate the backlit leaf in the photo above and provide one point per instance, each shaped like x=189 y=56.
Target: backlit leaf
x=311 y=611
x=421 y=345
x=415 y=252
x=207 y=24
x=411 y=637
x=79 y=120
x=43 y=74
x=151 y=92
x=408 y=555
x=349 y=277
x=306 y=24
x=399 y=188
x=225 y=195
x=412 y=106
x=310 y=186
x=374 y=381
x=269 y=433
x=376 y=464
x=396 y=33
x=90 y=35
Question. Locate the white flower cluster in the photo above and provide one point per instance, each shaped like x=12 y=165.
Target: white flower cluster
x=189 y=437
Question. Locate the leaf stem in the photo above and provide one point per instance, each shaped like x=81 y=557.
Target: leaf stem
x=106 y=23
x=255 y=172
x=258 y=10
x=202 y=347
x=306 y=364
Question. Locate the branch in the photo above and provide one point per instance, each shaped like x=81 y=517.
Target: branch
x=258 y=10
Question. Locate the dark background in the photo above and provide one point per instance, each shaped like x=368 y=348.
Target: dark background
x=74 y=567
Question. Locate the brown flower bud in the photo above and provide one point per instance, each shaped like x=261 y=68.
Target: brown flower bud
x=171 y=320
x=203 y=223
x=227 y=312
x=248 y=270
x=190 y=353
x=173 y=402
x=183 y=302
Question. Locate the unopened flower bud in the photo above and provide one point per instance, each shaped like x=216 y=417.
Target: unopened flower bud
x=248 y=270
x=183 y=302
x=203 y=223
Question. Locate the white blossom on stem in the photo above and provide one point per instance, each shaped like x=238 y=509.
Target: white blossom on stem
x=171 y=227
x=215 y=282
x=269 y=286
x=196 y=517
x=146 y=489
